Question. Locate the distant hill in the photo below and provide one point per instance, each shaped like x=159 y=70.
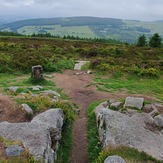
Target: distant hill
x=88 y=27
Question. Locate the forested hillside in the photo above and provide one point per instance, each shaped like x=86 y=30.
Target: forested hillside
x=87 y=27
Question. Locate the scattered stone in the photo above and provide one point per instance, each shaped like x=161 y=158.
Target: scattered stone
x=27 y=108
x=78 y=73
x=40 y=136
x=13 y=88
x=111 y=101
x=114 y=159
x=116 y=105
x=51 y=92
x=14 y=150
x=158 y=120
x=116 y=129
x=48 y=76
x=89 y=72
x=77 y=110
x=37 y=88
x=37 y=72
x=148 y=108
x=134 y=102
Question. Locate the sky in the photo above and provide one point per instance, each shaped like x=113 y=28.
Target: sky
x=146 y=10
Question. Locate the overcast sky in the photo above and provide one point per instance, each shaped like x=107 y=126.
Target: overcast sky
x=124 y=9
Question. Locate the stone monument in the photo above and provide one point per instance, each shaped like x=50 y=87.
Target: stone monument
x=37 y=72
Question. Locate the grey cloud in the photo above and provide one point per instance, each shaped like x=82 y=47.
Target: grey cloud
x=125 y=9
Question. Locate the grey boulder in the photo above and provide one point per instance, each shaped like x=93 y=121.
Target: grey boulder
x=114 y=159
x=14 y=150
x=134 y=102
x=158 y=120
x=116 y=129
x=39 y=136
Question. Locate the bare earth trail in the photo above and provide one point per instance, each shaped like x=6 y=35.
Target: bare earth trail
x=75 y=86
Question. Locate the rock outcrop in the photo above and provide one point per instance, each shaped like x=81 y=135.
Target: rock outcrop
x=40 y=136
x=116 y=129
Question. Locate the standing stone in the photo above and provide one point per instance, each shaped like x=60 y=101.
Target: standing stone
x=37 y=72
x=134 y=102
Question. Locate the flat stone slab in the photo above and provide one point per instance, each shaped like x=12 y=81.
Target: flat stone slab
x=79 y=64
x=134 y=102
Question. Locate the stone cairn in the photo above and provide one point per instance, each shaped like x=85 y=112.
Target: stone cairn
x=37 y=72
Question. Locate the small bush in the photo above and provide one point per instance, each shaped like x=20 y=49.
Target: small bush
x=150 y=72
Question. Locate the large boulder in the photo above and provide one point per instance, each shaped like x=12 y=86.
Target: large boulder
x=40 y=136
x=114 y=159
x=116 y=129
x=134 y=102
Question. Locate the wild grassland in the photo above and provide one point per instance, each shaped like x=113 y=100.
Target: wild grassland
x=132 y=85
x=131 y=70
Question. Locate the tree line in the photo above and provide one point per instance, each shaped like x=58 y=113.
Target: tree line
x=154 y=41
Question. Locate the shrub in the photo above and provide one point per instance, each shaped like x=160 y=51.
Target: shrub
x=150 y=72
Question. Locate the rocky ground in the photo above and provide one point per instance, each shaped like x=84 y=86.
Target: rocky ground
x=76 y=84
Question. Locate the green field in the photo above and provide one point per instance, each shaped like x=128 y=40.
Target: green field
x=80 y=31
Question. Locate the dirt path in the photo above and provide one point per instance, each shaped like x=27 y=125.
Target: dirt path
x=74 y=86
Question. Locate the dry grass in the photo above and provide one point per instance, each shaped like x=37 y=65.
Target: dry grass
x=9 y=111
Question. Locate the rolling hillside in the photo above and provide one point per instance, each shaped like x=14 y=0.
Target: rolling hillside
x=87 y=27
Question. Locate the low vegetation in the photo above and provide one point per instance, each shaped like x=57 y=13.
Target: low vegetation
x=119 y=68
x=131 y=155
x=130 y=84
x=94 y=146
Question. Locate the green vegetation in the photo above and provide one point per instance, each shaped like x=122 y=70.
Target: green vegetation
x=132 y=85
x=155 y=40
x=141 y=41
x=63 y=155
x=129 y=154
x=94 y=146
